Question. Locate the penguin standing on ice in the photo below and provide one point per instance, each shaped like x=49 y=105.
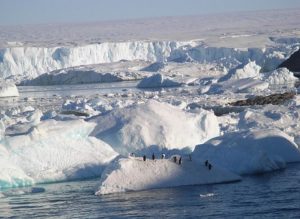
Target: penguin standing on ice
x=144 y=158
x=153 y=156
x=209 y=166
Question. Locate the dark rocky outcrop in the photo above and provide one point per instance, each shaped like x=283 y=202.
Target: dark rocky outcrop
x=292 y=63
x=275 y=99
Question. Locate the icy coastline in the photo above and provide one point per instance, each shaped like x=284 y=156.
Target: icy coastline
x=182 y=106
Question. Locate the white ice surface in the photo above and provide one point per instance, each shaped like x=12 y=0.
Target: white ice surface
x=158 y=80
x=233 y=29
x=35 y=149
x=8 y=89
x=30 y=62
x=154 y=124
x=250 y=152
x=250 y=70
x=279 y=76
x=134 y=174
x=52 y=151
x=98 y=73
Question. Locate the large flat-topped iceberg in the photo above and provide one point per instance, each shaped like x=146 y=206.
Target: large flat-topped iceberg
x=52 y=151
x=134 y=174
x=139 y=126
x=250 y=152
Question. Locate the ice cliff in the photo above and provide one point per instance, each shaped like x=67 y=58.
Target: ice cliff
x=23 y=62
x=30 y=62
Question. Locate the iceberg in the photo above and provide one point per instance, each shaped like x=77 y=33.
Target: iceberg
x=140 y=126
x=134 y=174
x=8 y=89
x=250 y=152
x=281 y=76
x=52 y=151
x=250 y=70
x=156 y=81
x=245 y=85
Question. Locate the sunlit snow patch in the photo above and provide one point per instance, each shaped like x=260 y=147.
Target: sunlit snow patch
x=134 y=174
x=249 y=152
x=153 y=123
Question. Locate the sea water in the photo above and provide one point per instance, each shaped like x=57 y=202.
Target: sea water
x=270 y=195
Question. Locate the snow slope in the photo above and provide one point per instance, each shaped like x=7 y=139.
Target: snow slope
x=250 y=152
x=52 y=151
x=153 y=123
x=134 y=174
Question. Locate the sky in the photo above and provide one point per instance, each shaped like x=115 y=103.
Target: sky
x=15 y=12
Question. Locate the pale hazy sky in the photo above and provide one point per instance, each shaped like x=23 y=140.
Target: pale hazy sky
x=55 y=11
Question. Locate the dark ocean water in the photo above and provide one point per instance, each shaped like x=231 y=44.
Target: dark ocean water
x=272 y=195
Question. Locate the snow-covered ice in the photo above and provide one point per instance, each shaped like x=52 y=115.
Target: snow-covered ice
x=8 y=89
x=250 y=152
x=157 y=80
x=52 y=151
x=250 y=70
x=155 y=124
x=194 y=68
x=280 y=76
x=30 y=62
x=134 y=174
x=97 y=73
